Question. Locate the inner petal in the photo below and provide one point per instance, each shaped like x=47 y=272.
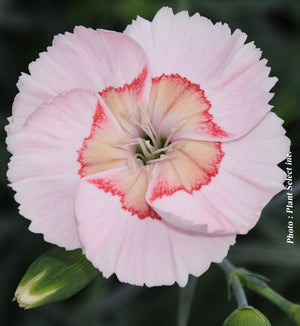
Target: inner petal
x=192 y=165
x=130 y=185
x=179 y=107
x=125 y=102
x=103 y=149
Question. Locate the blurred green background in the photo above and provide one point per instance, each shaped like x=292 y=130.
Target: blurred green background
x=27 y=28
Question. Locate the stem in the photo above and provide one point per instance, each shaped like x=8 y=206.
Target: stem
x=227 y=266
x=271 y=295
x=237 y=287
x=256 y=283
x=185 y=301
x=239 y=293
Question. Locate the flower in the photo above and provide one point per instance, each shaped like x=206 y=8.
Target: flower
x=149 y=149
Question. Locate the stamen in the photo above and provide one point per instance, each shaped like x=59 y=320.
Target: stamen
x=152 y=130
x=152 y=137
x=140 y=157
x=143 y=125
x=175 y=146
x=134 y=142
x=147 y=127
x=149 y=146
x=169 y=148
x=164 y=149
x=163 y=158
x=144 y=149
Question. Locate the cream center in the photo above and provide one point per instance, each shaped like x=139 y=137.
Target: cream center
x=151 y=146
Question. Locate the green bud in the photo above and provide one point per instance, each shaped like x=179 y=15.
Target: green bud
x=56 y=275
x=246 y=316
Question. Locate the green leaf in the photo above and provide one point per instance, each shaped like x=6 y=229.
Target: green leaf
x=56 y=275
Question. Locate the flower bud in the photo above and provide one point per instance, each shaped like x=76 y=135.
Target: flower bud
x=54 y=276
x=246 y=316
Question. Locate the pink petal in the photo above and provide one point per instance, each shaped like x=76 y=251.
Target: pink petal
x=232 y=201
x=130 y=185
x=140 y=251
x=125 y=102
x=92 y=59
x=44 y=167
x=179 y=107
x=49 y=203
x=191 y=165
x=234 y=79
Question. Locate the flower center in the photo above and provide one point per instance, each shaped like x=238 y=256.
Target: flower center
x=140 y=133
x=150 y=147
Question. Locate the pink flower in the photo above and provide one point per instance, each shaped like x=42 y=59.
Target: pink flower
x=149 y=149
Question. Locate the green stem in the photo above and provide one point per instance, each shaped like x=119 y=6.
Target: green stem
x=185 y=301
x=268 y=293
x=239 y=293
x=256 y=283
x=237 y=287
x=227 y=266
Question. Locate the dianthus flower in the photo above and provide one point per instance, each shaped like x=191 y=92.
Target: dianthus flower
x=149 y=149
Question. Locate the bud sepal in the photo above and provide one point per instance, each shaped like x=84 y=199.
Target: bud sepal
x=246 y=316
x=54 y=276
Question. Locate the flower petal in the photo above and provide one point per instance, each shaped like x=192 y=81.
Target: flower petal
x=44 y=168
x=130 y=185
x=178 y=107
x=91 y=59
x=126 y=102
x=234 y=79
x=49 y=203
x=140 y=251
x=232 y=201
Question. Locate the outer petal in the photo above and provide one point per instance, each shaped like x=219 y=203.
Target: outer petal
x=140 y=251
x=232 y=201
x=44 y=167
x=234 y=81
x=48 y=202
x=91 y=59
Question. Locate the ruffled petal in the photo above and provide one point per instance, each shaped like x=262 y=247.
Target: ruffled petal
x=48 y=202
x=247 y=178
x=140 y=251
x=126 y=102
x=180 y=109
x=129 y=184
x=234 y=79
x=45 y=165
x=90 y=59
